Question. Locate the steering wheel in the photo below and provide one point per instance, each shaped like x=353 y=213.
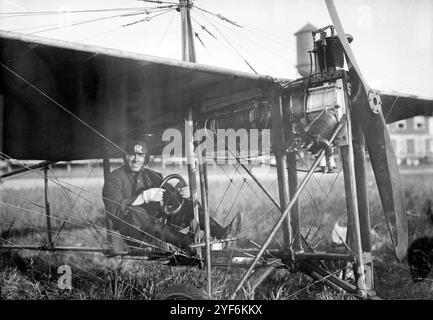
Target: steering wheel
x=172 y=201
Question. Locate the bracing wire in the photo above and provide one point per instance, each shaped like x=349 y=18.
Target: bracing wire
x=164 y=33
x=39 y=229
x=148 y=18
x=233 y=48
x=82 y=269
x=61 y=107
x=19 y=13
x=80 y=224
x=73 y=204
x=105 y=211
x=55 y=26
x=82 y=221
x=258 y=44
x=249 y=28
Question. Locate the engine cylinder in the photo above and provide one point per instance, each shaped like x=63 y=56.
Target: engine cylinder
x=330 y=52
x=324 y=125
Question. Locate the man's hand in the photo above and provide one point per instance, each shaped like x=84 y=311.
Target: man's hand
x=185 y=192
x=153 y=195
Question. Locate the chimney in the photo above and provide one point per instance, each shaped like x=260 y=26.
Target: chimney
x=304 y=43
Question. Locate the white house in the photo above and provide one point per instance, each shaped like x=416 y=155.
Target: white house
x=412 y=139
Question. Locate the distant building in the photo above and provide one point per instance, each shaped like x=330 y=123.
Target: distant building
x=412 y=140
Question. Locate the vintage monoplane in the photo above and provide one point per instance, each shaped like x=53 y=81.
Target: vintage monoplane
x=65 y=101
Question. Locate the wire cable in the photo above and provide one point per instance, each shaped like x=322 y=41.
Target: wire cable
x=62 y=107
x=164 y=33
x=233 y=48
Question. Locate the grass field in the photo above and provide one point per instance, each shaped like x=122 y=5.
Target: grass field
x=76 y=198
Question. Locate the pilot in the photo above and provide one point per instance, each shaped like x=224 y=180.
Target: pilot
x=132 y=196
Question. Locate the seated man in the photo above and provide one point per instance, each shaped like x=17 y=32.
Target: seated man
x=132 y=193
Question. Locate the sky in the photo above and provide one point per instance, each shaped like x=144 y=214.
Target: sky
x=393 y=39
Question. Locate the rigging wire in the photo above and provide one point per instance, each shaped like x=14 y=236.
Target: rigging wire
x=73 y=203
x=105 y=211
x=219 y=16
x=247 y=51
x=260 y=45
x=204 y=28
x=317 y=281
x=233 y=48
x=226 y=37
x=271 y=37
x=82 y=269
x=313 y=202
x=89 y=223
x=100 y=34
x=26 y=200
x=161 y=2
x=164 y=33
x=80 y=11
x=42 y=230
x=62 y=107
x=246 y=27
x=55 y=26
x=148 y=18
x=80 y=224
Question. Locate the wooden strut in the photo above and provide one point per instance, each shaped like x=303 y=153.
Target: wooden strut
x=284 y=214
x=278 y=136
x=53 y=248
x=27 y=168
x=358 y=143
x=106 y=169
x=352 y=204
x=47 y=207
x=188 y=54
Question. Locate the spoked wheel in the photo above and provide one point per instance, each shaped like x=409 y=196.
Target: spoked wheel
x=180 y=292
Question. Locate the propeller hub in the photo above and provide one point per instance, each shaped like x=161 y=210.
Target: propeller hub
x=374 y=101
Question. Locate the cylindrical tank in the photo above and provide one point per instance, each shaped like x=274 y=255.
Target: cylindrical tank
x=304 y=43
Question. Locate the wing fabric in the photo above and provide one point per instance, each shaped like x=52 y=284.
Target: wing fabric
x=66 y=101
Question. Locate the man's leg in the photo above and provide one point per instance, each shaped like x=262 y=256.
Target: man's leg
x=143 y=226
x=184 y=217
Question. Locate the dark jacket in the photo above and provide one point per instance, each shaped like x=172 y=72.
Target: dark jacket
x=122 y=187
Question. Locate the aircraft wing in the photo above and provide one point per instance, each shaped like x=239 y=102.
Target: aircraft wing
x=66 y=101
x=69 y=101
x=399 y=106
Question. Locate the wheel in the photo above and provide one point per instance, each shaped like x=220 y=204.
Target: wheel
x=173 y=200
x=181 y=292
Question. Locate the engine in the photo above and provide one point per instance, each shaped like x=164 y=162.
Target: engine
x=316 y=104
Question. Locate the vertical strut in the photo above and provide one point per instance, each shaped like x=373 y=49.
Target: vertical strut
x=2 y=104
x=295 y=214
x=106 y=170
x=361 y=184
x=352 y=204
x=47 y=207
x=188 y=54
x=280 y=158
x=361 y=192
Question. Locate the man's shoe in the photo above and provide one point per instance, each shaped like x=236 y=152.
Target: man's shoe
x=233 y=228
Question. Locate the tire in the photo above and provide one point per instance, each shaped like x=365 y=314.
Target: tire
x=181 y=292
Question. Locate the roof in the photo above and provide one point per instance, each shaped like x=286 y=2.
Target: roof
x=307 y=28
